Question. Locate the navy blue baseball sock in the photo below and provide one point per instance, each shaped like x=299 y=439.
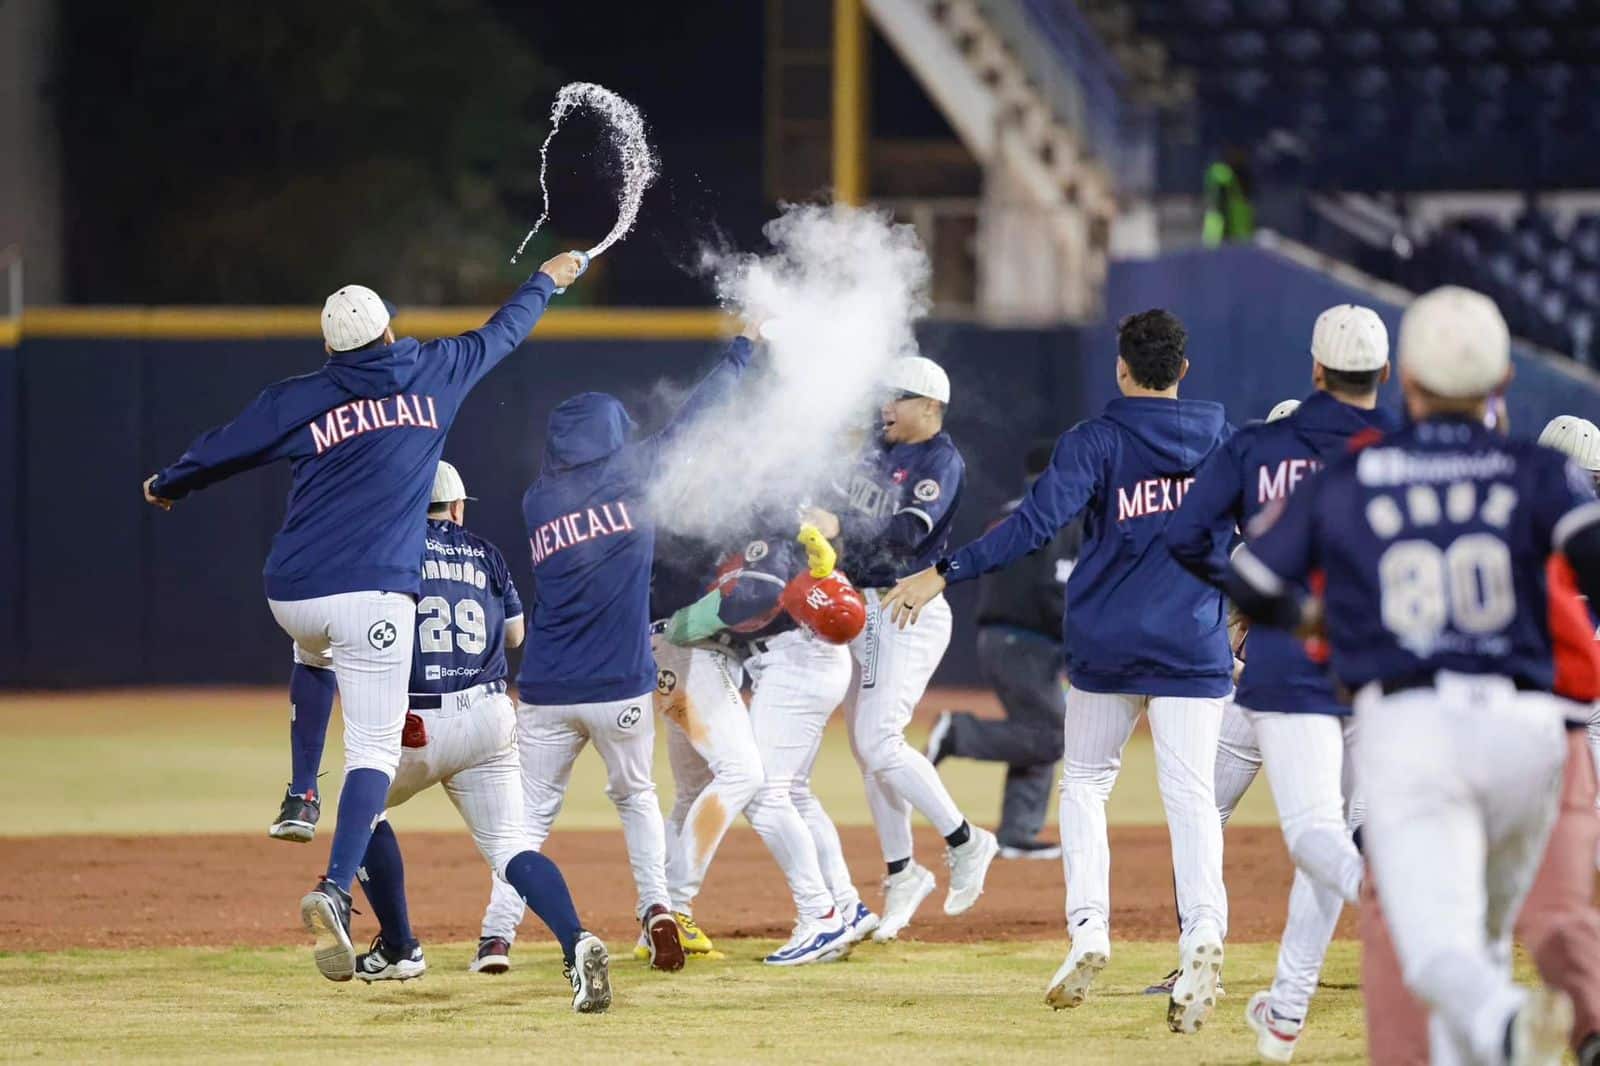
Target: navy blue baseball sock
x=960 y=835
x=541 y=885
x=360 y=802
x=897 y=865
x=311 y=705
x=383 y=879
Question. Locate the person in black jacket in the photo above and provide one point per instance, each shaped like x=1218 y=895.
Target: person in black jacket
x=1020 y=610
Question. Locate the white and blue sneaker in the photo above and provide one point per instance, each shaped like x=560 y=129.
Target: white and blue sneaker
x=862 y=923
x=824 y=939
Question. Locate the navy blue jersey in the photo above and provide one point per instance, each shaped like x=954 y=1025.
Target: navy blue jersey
x=363 y=436
x=1433 y=544
x=898 y=506
x=752 y=579
x=592 y=545
x=1139 y=622
x=466 y=599
x=1259 y=467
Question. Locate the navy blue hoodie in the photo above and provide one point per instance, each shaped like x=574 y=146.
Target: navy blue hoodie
x=1139 y=622
x=363 y=436
x=1258 y=468
x=592 y=543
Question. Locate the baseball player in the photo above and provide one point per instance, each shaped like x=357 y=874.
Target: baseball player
x=1434 y=545
x=784 y=616
x=1019 y=650
x=1142 y=635
x=1558 y=924
x=587 y=672
x=461 y=732
x=1286 y=702
x=896 y=520
x=1580 y=439
x=364 y=435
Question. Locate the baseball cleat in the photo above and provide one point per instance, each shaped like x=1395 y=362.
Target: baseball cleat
x=494 y=955
x=861 y=922
x=1034 y=849
x=590 y=975
x=969 y=865
x=1091 y=951
x=1194 y=993
x=938 y=739
x=695 y=942
x=325 y=912
x=383 y=963
x=903 y=893
x=1275 y=1034
x=666 y=942
x=1163 y=987
x=1538 y=1032
x=297 y=818
x=824 y=939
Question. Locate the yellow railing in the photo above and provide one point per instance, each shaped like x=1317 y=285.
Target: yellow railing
x=265 y=323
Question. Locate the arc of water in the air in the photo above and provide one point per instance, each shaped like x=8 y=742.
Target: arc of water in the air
x=628 y=138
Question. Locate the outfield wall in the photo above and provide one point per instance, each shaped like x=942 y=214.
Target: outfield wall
x=97 y=588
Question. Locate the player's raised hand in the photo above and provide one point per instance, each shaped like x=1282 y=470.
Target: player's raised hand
x=827 y=522
x=563 y=268
x=150 y=497
x=910 y=595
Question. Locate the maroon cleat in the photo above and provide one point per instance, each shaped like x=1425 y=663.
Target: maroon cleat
x=666 y=946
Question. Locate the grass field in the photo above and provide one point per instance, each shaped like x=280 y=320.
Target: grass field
x=197 y=761
x=215 y=761
x=903 y=1003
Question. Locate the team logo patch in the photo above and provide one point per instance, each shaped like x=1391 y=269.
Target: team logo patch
x=666 y=682
x=630 y=717
x=755 y=551
x=382 y=635
x=927 y=490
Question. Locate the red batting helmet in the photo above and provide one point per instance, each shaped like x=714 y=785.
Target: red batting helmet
x=829 y=606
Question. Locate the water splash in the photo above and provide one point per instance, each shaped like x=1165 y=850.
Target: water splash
x=628 y=140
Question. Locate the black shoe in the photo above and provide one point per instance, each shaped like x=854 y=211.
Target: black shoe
x=297 y=818
x=384 y=963
x=325 y=912
x=494 y=955
x=1033 y=849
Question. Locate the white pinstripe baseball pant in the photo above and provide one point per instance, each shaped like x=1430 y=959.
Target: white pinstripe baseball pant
x=893 y=668
x=549 y=740
x=472 y=752
x=366 y=639
x=1185 y=731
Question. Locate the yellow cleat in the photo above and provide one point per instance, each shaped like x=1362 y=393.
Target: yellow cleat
x=695 y=942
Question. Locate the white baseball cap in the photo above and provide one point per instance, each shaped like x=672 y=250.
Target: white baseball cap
x=1454 y=343
x=1577 y=437
x=915 y=374
x=447 y=485
x=1283 y=409
x=1350 y=337
x=353 y=316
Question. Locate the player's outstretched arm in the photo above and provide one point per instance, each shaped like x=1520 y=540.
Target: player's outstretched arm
x=713 y=388
x=479 y=351
x=253 y=439
x=1198 y=533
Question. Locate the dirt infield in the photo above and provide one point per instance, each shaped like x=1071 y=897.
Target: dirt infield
x=121 y=892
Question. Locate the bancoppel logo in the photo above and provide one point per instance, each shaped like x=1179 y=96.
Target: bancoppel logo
x=382 y=635
x=630 y=717
x=430 y=673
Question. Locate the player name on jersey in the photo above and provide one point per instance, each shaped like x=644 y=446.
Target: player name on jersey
x=1153 y=495
x=445 y=570
x=561 y=533
x=363 y=416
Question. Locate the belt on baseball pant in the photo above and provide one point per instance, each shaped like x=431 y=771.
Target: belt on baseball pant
x=455 y=701
x=1393 y=686
x=735 y=644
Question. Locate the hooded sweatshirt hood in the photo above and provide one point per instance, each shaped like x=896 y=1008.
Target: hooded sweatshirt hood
x=585 y=427
x=373 y=373
x=1177 y=435
x=1325 y=425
